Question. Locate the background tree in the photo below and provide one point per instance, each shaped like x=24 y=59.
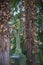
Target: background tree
x=30 y=32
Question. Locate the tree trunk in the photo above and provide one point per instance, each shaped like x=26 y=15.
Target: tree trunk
x=30 y=16
x=17 y=41
x=4 y=32
x=4 y=46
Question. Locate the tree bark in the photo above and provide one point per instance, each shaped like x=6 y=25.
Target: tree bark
x=30 y=17
x=4 y=46
x=4 y=32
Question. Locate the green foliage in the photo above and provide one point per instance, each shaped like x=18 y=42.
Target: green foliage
x=14 y=3
x=39 y=20
x=17 y=51
x=40 y=27
x=12 y=51
x=40 y=4
x=40 y=36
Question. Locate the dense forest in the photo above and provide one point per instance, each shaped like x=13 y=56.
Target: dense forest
x=21 y=32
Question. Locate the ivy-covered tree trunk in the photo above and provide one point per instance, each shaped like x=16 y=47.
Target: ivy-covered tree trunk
x=4 y=32
x=30 y=17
